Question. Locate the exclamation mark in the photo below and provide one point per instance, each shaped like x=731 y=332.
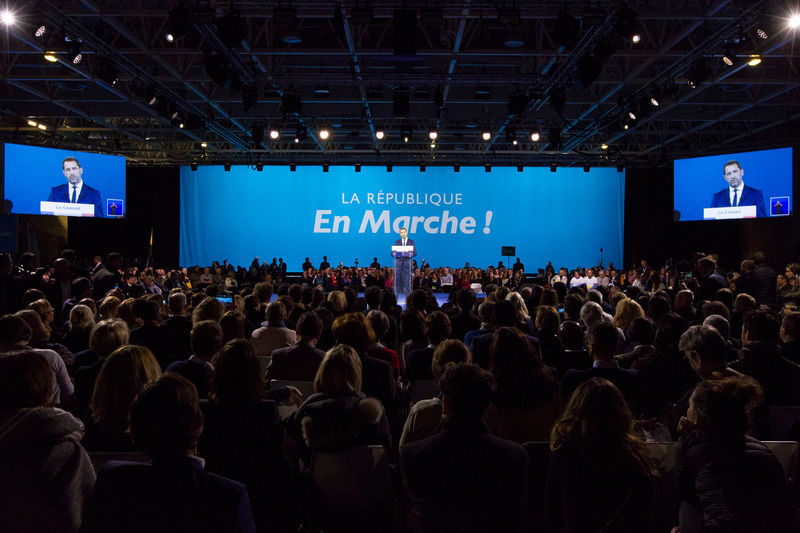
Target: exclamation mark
x=486 y=229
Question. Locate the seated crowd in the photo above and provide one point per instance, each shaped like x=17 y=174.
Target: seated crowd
x=224 y=385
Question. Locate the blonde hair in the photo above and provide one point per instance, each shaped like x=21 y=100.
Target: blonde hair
x=339 y=372
x=519 y=306
x=107 y=336
x=81 y=317
x=625 y=312
x=42 y=307
x=338 y=301
x=123 y=375
x=109 y=307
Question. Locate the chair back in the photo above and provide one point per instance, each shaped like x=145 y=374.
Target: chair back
x=263 y=361
x=306 y=388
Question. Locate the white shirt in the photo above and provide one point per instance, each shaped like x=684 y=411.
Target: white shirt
x=77 y=191
x=577 y=282
x=555 y=279
x=732 y=191
x=591 y=283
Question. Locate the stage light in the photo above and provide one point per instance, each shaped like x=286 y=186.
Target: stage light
x=227 y=167
x=181 y=125
x=631 y=115
x=379 y=134
x=586 y=168
x=486 y=135
x=432 y=135
x=625 y=127
x=324 y=134
x=300 y=133
x=274 y=134
x=42 y=127
x=259 y=166
x=433 y=145
x=50 y=56
x=358 y=167
x=422 y=168
x=178 y=23
x=170 y=38
x=292 y=167
x=74 y=50
x=8 y=18
x=32 y=123
x=636 y=38
x=553 y=167
x=487 y=167
x=535 y=136
x=203 y=145
x=794 y=21
x=40 y=31
x=194 y=166
x=604 y=146
x=456 y=168
x=754 y=60
x=729 y=57
x=325 y=167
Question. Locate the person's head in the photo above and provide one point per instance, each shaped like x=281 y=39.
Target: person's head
x=373 y=296
x=640 y=331
x=275 y=313
x=237 y=374
x=657 y=307
x=437 y=327
x=165 y=417
x=547 y=320
x=720 y=323
x=715 y=308
x=81 y=288
x=309 y=326
x=449 y=352
x=177 y=303
x=519 y=306
x=626 y=311
x=208 y=309
x=743 y=303
x=338 y=301
x=26 y=380
x=263 y=291
x=122 y=376
x=571 y=336
x=232 y=324
x=340 y=372
x=790 y=327
x=81 y=318
x=591 y=314
x=380 y=323
x=403 y=233
x=733 y=173
x=354 y=330
x=206 y=339
x=598 y=424
x=72 y=170
x=573 y=303
x=39 y=332
x=684 y=299
x=466 y=391
x=705 y=349
x=107 y=336
x=760 y=326
x=418 y=300
x=109 y=307
x=43 y=309
x=747 y=266
x=723 y=406
x=602 y=340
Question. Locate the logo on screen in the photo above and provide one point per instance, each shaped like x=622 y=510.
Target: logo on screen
x=114 y=208
x=778 y=206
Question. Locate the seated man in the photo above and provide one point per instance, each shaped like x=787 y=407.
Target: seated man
x=301 y=361
x=463 y=478
x=173 y=493
x=206 y=340
x=273 y=334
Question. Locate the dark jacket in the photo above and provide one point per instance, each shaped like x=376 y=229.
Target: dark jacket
x=776 y=374
x=174 y=342
x=295 y=363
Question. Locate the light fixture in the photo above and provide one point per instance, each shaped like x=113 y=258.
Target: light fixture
x=604 y=146
x=74 y=50
x=636 y=38
x=170 y=38
x=433 y=145
x=274 y=134
x=178 y=23
x=631 y=115
x=754 y=61
x=32 y=123
x=794 y=21
x=50 y=56
x=405 y=134
x=107 y=71
x=432 y=135
x=300 y=133
x=8 y=18
x=535 y=136
x=40 y=31
x=625 y=127
x=486 y=135
x=324 y=134
x=729 y=57
x=655 y=97
x=379 y=134
x=699 y=71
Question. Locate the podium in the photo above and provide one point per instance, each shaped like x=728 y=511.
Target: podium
x=402 y=268
x=66 y=209
x=728 y=213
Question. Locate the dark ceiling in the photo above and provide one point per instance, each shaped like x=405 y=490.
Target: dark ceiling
x=461 y=68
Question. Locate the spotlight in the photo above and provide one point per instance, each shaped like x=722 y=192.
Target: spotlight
x=300 y=134
x=325 y=167
x=487 y=167
x=794 y=21
x=625 y=127
x=204 y=145
x=729 y=57
x=636 y=38
x=324 y=134
x=379 y=134
x=433 y=145
x=259 y=166
x=586 y=168
x=754 y=60
x=604 y=146
x=151 y=97
x=535 y=136
x=699 y=71
x=227 y=167
x=655 y=97
x=292 y=167
x=42 y=127
x=40 y=31
x=433 y=134
x=486 y=135
x=74 y=50
x=631 y=115
x=358 y=167
x=422 y=168
x=553 y=167
x=456 y=168
x=32 y=123
x=8 y=18
x=194 y=166
x=406 y=134
x=274 y=134
x=388 y=167
x=50 y=57
x=178 y=23
x=511 y=136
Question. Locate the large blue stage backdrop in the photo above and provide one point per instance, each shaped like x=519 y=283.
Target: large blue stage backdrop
x=564 y=217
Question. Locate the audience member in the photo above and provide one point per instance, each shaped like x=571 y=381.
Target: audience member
x=790 y=337
x=273 y=334
x=301 y=361
x=418 y=362
x=81 y=322
x=174 y=332
x=206 y=339
x=575 y=355
x=380 y=325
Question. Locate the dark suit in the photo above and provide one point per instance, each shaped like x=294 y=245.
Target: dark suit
x=750 y=196
x=295 y=363
x=61 y=193
x=465 y=479
x=626 y=380
x=418 y=364
x=177 y=496
x=402 y=268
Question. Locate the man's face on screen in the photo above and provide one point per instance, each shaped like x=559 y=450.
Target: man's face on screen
x=403 y=233
x=72 y=172
x=734 y=175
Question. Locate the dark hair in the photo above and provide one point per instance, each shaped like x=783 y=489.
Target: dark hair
x=232 y=324
x=26 y=380
x=716 y=308
x=791 y=324
x=449 y=352
x=373 y=296
x=206 y=338
x=466 y=299
x=309 y=325
x=604 y=336
x=505 y=313
x=437 y=327
x=418 y=300
x=14 y=329
x=572 y=306
x=761 y=326
x=295 y=292
x=669 y=329
x=263 y=291
x=706 y=341
x=657 y=307
x=380 y=323
x=412 y=325
x=467 y=389
x=165 y=417
x=354 y=330
x=640 y=331
x=70 y=158
x=570 y=334
x=275 y=313
x=237 y=374
x=723 y=405
x=522 y=379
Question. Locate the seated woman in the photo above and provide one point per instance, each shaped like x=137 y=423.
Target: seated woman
x=728 y=481
x=46 y=474
x=243 y=438
x=599 y=476
x=338 y=414
x=174 y=493
x=527 y=402
x=123 y=375
x=81 y=322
